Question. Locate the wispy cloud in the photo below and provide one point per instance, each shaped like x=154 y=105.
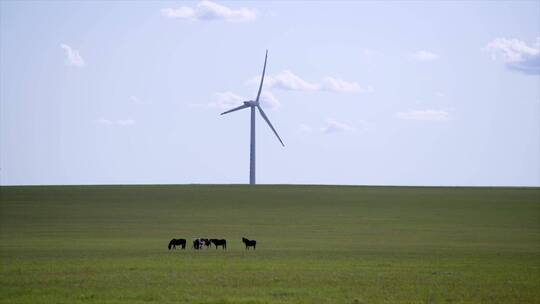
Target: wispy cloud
x=225 y=100
x=516 y=54
x=269 y=101
x=424 y=115
x=73 y=58
x=334 y=126
x=119 y=122
x=287 y=80
x=340 y=85
x=425 y=56
x=208 y=10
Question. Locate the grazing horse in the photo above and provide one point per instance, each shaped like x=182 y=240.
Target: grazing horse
x=219 y=242
x=249 y=243
x=177 y=242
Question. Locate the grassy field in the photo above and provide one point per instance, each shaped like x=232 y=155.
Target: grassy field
x=316 y=244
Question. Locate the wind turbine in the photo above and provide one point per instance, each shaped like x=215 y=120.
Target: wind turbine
x=252 y=104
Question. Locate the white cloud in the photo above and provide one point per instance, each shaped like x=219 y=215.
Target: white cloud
x=333 y=126
x=340 y=85
x=511 y=49
x=73 y=58
x=424 y=115
x=183 y=12
x=516 y=54
x=227 y=100
x=269 y=101
x=119 y=122
x=425 y=56
x=208 y=10
x=287 y=80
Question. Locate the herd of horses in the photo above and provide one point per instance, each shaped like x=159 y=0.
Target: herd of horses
x=200 y=243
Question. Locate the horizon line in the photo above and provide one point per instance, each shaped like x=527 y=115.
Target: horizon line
x=256 y=185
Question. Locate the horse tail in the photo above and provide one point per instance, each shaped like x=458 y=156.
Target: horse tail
x=254 y=244
x=170 y=244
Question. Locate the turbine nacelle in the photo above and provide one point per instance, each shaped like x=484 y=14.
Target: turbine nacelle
x=251 y=103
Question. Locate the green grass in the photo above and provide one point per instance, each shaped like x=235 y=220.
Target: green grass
x=316 y=244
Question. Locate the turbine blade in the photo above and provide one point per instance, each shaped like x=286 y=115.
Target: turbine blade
x=236 y=109
x=262 y=78
x=269 y=123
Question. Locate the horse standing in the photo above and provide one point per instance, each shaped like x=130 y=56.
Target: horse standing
x=249 y=243
x=177 y=242
x=219 y=242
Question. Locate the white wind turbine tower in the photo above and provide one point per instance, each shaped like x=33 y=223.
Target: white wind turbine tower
x=255 y=104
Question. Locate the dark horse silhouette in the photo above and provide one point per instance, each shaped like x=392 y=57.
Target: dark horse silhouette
x=249 y=243
x=219 y=242
x=177 y=242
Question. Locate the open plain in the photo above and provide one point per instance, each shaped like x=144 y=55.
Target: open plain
x=315 y=244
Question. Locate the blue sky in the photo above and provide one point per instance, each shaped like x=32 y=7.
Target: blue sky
x=369 y=93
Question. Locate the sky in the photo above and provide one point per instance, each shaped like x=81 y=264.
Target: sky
x=362 y=93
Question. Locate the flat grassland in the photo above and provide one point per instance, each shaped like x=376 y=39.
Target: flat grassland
x=316 y=244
